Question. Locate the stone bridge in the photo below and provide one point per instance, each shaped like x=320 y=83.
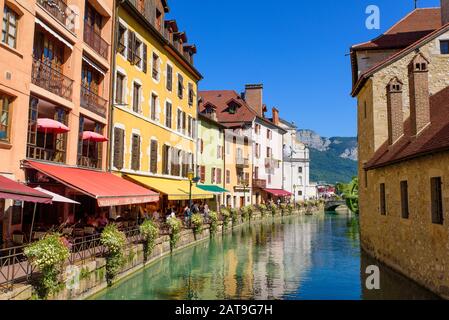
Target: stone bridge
x=331 y=205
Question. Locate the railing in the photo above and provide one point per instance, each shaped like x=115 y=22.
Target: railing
x=242 y=162
x=259 y=183
x=89 y=162
x=44 y=76
x=14 y=267
x=38 y=153
x=121 y=48
x=60 y=11
x=93 y=102
x=95 y=41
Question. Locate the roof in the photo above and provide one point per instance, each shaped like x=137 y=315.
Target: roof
x=107 y=188
x=434 y=138
x=408 y=34
x=411 y=28
x=10 y=189
x=220 y=99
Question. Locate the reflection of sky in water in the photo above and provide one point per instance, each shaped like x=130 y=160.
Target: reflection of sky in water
x=301 y=258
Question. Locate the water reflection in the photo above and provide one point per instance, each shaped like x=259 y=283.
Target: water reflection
x=292 y=258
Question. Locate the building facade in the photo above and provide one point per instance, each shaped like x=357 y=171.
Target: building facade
x=155 y=101
x=403 y=147
x=296 y=170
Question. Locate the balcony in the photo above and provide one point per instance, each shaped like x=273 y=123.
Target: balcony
x=95 y=41
x=60 y=11
x=45 y=154
x=89 y=162
x=259 y=183
x=271 y=163
x=93 y=102
x=241 y=162
x=44 y=76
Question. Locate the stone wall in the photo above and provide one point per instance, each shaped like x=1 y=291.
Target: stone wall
x=415 y=247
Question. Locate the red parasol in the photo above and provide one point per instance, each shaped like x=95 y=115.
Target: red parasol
x=93 y=136
x=51 y=126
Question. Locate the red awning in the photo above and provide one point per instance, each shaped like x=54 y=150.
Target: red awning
x=278 y=192
x=108 y=189
x=10 y=189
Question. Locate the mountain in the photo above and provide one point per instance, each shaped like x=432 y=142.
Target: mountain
x=332 y=159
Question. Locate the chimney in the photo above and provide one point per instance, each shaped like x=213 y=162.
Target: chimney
x=394 y=109
x=275 y=113
x=419 y=94
x=253 y=97
x=444 y=12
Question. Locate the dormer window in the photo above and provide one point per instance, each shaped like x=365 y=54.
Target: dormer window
x=420 y=66
x=232 y=110
x=395 y=86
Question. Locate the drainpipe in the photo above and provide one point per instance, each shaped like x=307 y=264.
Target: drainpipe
x=117 y=4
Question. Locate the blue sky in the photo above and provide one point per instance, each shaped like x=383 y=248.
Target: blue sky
x=296 y=48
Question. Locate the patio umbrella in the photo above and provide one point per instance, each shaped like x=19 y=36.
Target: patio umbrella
x=93 y=136
x=47 y=125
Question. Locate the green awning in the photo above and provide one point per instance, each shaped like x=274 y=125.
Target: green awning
x=212 y=188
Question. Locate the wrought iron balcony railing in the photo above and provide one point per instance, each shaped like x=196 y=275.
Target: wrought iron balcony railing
x=93 y=102
x=38 y=153
x=60 y=11
x=43 y=75
x=259 y=183
x=242 y=162
x=95 y=41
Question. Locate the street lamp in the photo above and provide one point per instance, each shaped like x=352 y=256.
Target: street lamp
x=192 y=180
x=245 y=183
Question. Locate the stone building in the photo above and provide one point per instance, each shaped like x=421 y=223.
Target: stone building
x=402 y=86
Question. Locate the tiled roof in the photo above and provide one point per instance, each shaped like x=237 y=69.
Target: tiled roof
x=434 y=138
x=411 y=28
x=220 y=99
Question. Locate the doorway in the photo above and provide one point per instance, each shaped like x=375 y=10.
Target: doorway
x=242 y=202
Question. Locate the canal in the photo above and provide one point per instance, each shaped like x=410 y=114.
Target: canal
x=292 y=258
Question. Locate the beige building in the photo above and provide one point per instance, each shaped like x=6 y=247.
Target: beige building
x=402 y=86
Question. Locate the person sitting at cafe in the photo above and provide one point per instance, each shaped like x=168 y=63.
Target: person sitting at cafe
x=91 y=221
x=102 y=220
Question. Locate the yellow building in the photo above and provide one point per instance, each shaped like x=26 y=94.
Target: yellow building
x=155 y=102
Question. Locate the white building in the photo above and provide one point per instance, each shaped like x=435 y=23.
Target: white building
x=296 y=162
x=267 y=147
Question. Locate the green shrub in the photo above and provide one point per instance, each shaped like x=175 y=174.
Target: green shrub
x=273 y=209
x=245 y=213
x=283 y=208
x=48 y=255
x=226 y=216
x=263 y=209
x=213 y=217
x=234 y=216
x=115 y=241
x=251 y=210
x=197 y=223
x=175 y=226
x=290 y=208
x=150 y=232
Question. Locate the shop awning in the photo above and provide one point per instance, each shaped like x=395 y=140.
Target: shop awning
x=56 y=197
x=10 y=189
x=212 y=188
x=108 y=189
x=278 y=192
x=174 y=189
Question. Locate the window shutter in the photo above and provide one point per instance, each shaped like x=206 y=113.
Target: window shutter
x=118 y=147
x=131 y=43
x=144 y=58
x=135 y=161
x=203 y=173
x=169 y=78
x=153 y=157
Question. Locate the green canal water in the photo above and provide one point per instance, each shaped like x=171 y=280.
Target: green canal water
x=292 y=258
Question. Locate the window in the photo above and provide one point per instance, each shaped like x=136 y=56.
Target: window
x=189 y=127
x=269 y=152
x=257 y=150
x=383 y=204
x=153 y=106
x=119 y=147
x=257 y=128
x=136 y=97
x=219 y=180
x=4 y=117
x=203 y=173
x=168 y=114
x=299 y=193
x=437 y=200
x=444 y=46
x=153 y=157
x=269 y=179
x=184 y=122
x=121 y=47
x=9 y=29
x=169 y=78
x=119 y=89
x=299 y=169
x=191 y=94
x=212 y=178
x=228 y=177
x=135 y=152
x=137 y=58
x=180 y=86
x=269 y=135
x=179 y=121
x=155 y=71
x=256 y=173
x=404 y=199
